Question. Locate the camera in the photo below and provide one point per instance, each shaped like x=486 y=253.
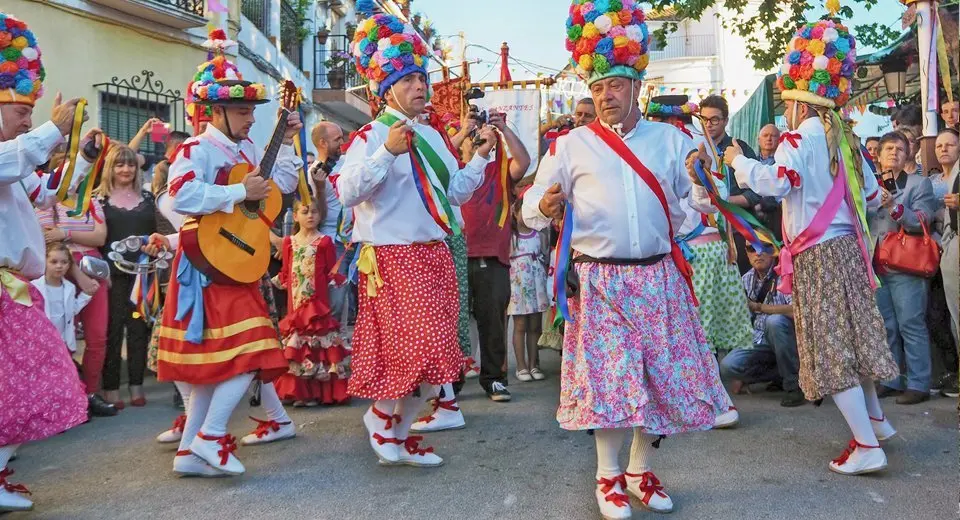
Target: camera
x=889 y=182
x=480 y=116
x=568 y=124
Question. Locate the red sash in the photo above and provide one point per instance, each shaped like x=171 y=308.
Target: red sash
x=617 y=145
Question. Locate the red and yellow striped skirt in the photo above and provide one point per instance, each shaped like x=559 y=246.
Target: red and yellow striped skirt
x=238 y=336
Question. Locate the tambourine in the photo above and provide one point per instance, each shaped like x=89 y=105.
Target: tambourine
x=146 y=263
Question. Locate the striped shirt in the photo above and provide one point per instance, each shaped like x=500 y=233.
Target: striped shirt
x=73 y=224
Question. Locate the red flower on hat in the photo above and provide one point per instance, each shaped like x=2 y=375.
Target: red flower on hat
x=625 y=17
x=634 y=48
x=249 y=92
x=577 y=15
x=5 y=39
x=383 y=31
x=806 y=71
x=11 y=23
x=622 y=54
x=396 y=39
x=842 y=99
x=218 y=34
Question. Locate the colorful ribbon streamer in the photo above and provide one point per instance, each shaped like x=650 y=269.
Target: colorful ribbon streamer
x=16 y=287
x=61 y=181
x=562 y=264
x=503 y=188
x=81 y=205
x=303 y=190
x=942 y=57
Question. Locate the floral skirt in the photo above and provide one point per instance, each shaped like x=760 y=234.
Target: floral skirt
x=40 y=391
x=635 y=354
x=528 y=287
x=841 y=339
x=723 y=303
x=458 y=249
x=318 y=368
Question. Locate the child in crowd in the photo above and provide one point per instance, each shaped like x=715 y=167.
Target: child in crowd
x=62 y=303
x=311 y=334
x=528 y=291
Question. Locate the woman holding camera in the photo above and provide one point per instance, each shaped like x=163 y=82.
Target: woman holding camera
x=906 y=202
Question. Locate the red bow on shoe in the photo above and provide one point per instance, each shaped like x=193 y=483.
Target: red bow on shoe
x=390 y=419
x=438 y=404
x=381 y=440
x=13 y=488
x=180 y=423
x=413 y=448
x=649 y=484
x=794 y=177
x=842 y=459
x=607 y=486
x=264 y=427
x=228 y=445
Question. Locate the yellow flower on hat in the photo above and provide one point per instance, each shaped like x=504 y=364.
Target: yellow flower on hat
x=620 y=41
x=586 y=62
x=816 y=47
x=802 y=84
x=19 y=43
x=642 y=62
x=590 y=31
x=843 y=84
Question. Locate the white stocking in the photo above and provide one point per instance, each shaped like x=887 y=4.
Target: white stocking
x=872 y=401
x=640 y=451
x=409 y=409
x=226 y=396
x=271 y=404
x=185 y=390
x=448 y=394
x=199 y=400
x=6 y=452
x=854 y=409
x=609 y=442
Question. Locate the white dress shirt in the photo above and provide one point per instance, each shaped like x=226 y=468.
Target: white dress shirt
x=615 y=213
x=811 y=161
x=200 y=195
x=381 y=189
x=61 y=305
x=22 y=247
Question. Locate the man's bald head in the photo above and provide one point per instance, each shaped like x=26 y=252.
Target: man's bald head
x=327 y=137
x=768 y=140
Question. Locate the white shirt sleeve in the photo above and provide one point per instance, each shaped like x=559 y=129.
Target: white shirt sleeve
x=286 y=170
x=765 y=180
x=20 y=157
x=365 y=167
x=192 y=195
x=552 y=171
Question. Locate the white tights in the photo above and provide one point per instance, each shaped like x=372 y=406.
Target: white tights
x=211 y=407
x=853 y=405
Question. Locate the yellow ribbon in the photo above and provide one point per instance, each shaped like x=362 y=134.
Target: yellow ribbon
x=942 y=59
x=18 y=289
x=63 y=191
x=302 y=188
x=367 y=264
x=504 y=184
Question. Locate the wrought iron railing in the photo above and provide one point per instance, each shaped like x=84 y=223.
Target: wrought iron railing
x=694 y=46
x=258 y=12
x=190 y=6
x=290 y=43
x=334 y=68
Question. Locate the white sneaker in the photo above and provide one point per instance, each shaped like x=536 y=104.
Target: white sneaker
x=727 y=419
x=218 y=452
x=269 y=431
x=446 y=416
x=472 y=369
x=882 y=428
x=412 y=454
x=173 y=434
x=859 y=459
x=613 y=502
x=537 y=374
x=11 y=495
x=524 y=375
x=186 y=464
x=648 y=489
x=382 y=440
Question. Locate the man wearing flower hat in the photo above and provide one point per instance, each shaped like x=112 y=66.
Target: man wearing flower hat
x=634 y=356
x=40 y=393
x=401 y=181
x=827 y=190
x=217 y=337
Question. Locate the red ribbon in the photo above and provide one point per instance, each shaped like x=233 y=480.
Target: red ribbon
x=607 y=488
x=842 y=459
x=185 y=149
x=438 y=404
x=228 y=445
x=179 y=182
x=649 y=485
x=264 y=427
x=381 y=440
x=13 y=488
x=794 y=177
x=792 y=138
x=390 y=419
x=412 y=445
x=180 y=423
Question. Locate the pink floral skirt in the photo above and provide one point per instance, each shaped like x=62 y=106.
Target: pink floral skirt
x=635 y=354
x=40 y=391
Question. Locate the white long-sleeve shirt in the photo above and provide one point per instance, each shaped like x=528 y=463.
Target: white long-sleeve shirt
x=615 y=213
x=193 y=174
x=22 y=247
x=810 y=159
x=381 y=189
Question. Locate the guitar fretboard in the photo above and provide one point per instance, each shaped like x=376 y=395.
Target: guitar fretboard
x=270 y=155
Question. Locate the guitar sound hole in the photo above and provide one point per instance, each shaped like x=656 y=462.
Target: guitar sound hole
x=252 y=206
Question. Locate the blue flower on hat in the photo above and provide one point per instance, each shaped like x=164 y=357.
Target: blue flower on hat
x=407 y=59
x=833 y=92
x=814 y=85
x=602 y=6
x=592 y=15
x=25 y=87
x=388 y=67
x=794 y=57
x=604 y=46
x=805 y=32
x=843 y=45
x=391 y=52
x=396 y=26
x=7 y=80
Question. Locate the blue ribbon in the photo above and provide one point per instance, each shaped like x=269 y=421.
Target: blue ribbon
x=563 y=264
x=866 y=157
x=303 y=140
x=688 y=253
x=190 y=298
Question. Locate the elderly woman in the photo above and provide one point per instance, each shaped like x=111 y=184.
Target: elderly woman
x=902 y=297
x=945 y=191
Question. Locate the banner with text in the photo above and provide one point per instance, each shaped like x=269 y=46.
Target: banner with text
x=522 y=107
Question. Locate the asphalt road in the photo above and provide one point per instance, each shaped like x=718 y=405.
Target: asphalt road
x=511 y=462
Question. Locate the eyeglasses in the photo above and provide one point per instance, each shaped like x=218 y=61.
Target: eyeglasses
x=714 y=121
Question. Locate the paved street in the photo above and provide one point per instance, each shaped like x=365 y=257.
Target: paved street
x=512 y=462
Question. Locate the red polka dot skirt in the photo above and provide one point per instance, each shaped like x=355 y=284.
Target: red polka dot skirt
x=407 y=334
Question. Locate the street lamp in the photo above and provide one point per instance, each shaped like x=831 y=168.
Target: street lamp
x=895 y=78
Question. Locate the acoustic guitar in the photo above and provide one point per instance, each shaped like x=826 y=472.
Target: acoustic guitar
x=234 y=248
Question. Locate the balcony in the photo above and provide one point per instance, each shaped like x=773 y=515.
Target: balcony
x=338 y=86
x=695 y=46
x=291 y=34
x=258 y=12
x=179 y=14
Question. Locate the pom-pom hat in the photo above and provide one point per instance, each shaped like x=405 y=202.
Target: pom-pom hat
x=21 y=71
x=218 y=82
x=672 y=106
x=819 y=65
x=385 y=49
x=608 y=38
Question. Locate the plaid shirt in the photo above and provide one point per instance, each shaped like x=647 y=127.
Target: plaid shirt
x=752 y=284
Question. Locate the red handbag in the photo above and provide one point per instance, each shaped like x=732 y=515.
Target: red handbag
x=918 y=255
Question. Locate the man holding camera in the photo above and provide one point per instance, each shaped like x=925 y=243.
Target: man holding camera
x=584 y=113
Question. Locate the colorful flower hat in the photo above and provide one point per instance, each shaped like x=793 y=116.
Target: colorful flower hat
x=608 y=38
x=672 y=105
x=218 y=82
x=385 y=49
x=21 y=71
x=819 y=65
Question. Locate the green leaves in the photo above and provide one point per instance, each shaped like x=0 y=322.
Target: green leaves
x=875 y=35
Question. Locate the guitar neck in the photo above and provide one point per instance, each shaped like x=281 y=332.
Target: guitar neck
x=270 y=155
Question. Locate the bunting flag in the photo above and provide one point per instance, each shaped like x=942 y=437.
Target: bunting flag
x=81 y=205
x=62 y=180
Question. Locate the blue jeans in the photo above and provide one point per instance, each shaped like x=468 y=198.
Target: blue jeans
x=775 y=361
x=344 y=297
x=902 y=300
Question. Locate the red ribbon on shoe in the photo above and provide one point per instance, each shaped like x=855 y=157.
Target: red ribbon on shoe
x=390 y=419
x=179 y=423
x=607 y=486
x=438 y=404
x=12 y=488
x=264 y=427
x=842 y=459
x=228 y=445
x=649 y=484
x=413 y=448
x=381 y=440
